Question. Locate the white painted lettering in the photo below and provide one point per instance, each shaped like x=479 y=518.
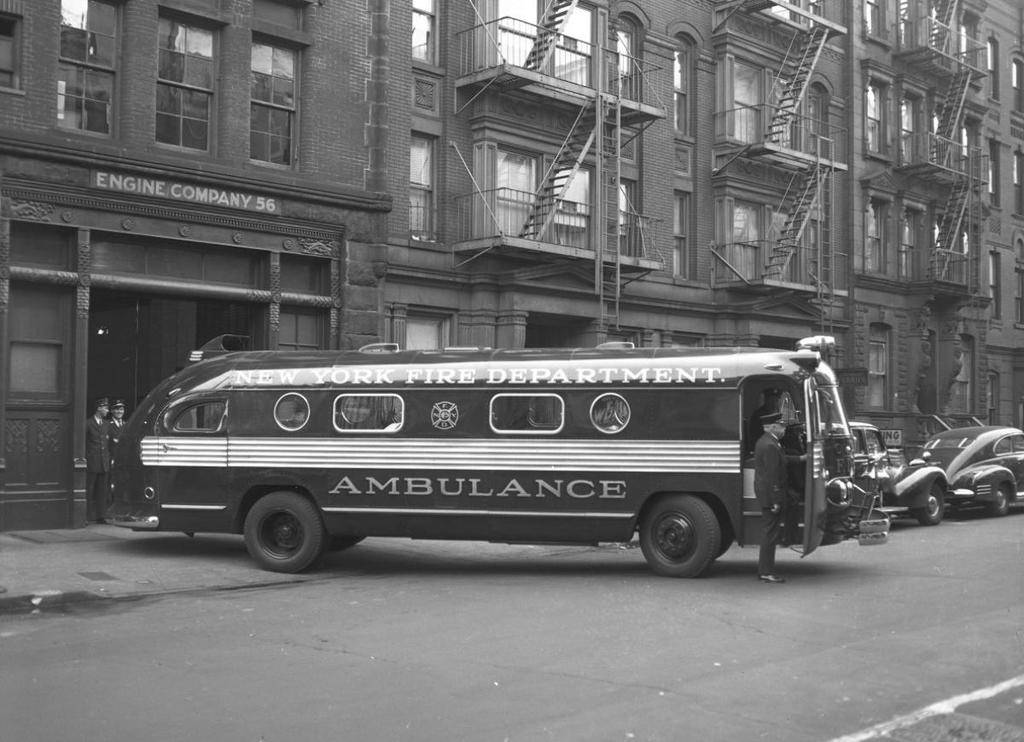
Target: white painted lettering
x=580 y=488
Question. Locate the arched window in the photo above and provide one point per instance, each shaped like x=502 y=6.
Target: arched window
x=683 y=86
x=628 y=48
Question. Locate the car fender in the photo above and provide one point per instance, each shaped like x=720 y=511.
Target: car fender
x=914 y=485
x=981 y=481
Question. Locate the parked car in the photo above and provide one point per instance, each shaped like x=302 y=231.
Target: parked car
x=984 y=465
x=917 y=488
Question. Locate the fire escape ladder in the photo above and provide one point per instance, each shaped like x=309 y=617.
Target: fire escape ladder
x=795 y=87
x=550 y=28
x=793 y=230
x=950 y=226
x=945 y=15
x=952 y=107
x=559 y=175
x=609 y=263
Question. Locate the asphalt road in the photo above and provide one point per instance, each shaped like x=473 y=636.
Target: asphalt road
x=402 y=640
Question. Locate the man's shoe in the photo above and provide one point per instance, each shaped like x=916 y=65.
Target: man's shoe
x=771 y=578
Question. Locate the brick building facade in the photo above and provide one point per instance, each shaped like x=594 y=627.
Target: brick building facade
x=170 y=172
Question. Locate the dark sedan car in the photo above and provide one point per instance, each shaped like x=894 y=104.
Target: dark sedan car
x=917 y=487
x=984 y=465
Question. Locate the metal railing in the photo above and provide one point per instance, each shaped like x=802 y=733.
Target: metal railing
x=747 y=261
x=510 y=41
x=503 y=212
x=751 y=124
x=920 y=33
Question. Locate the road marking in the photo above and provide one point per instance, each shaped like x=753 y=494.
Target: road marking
x=942 y=707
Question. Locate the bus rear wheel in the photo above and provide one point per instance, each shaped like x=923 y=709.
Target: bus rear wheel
x=284 y=532
x=680 y=536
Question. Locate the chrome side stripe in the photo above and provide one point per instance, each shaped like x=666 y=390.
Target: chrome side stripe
x=420 y=454
x=176 y=506
x=449 y=511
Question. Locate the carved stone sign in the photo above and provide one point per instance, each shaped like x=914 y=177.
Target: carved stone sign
x=180 y=191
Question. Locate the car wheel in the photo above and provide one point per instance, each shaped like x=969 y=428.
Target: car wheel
x=931 y=513
x=680 y=536
x=1001 y=505
x=284 y=532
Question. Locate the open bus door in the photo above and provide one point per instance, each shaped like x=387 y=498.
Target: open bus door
x=814 y=477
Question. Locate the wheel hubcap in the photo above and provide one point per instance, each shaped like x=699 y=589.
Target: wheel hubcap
x=282 y=533
x=674 y=536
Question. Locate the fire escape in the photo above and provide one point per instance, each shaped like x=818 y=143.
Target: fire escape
x=932 y=49
x=607 y=97
x=786 y=135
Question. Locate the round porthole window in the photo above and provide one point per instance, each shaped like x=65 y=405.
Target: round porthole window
x=609 y=413
x=291 y=412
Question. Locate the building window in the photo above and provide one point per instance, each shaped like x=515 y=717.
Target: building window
x=878 y=366
x=910 y=114
x=426 y=332
x=874 y=233
x=272 y=103
x=874 y=112
x=631 y=236
x=873 y=22
x=681 y=230
x=1017 y=80
x=995 y=281
x=628 y=48
x=85 y=78
x=992 y=397
x=1018 y=182
x=963 y=372
x=908 y=244
x=421 y=187
x=571 y=224
x=424 y=43
x=10 y=52
x=300 y=330
x=1018 y=300
x=515 y=181
x=993 y=68
x=746 y=86
x=993 y=172
x=184 y=89
x=682 y=77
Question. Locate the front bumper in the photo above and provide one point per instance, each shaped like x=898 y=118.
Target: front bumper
x=135 y=522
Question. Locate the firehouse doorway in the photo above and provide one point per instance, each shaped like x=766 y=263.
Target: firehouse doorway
x=136 y=340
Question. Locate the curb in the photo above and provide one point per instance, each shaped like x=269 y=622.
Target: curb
x=46 y=599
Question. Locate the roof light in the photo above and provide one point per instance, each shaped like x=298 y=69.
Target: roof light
x=816 y=342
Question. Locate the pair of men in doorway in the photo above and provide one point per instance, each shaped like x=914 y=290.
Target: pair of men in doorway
x=102 y=432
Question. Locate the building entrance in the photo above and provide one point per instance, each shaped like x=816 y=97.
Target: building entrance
x=136 y=340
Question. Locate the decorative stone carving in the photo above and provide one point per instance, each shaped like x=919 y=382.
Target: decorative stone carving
x=34 y=210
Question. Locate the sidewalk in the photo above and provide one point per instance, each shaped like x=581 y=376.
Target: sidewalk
x=103 y=562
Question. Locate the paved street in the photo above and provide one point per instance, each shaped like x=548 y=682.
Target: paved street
x=402 y=640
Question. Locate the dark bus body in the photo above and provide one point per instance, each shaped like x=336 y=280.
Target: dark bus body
x=304 y=452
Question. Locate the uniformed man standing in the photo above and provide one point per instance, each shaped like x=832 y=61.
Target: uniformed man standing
x=116 y=424
x=97 y=463
x=771 y=485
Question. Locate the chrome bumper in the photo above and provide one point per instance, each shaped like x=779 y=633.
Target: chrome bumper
x=135 y=522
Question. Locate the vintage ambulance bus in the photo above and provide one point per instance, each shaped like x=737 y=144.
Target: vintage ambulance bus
x=305 y=452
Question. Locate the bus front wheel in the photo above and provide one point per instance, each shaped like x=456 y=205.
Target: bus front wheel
x=680 y=536
x=284 y=532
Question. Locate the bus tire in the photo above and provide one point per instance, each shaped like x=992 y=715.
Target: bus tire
x=680 y=536
x=284 y=532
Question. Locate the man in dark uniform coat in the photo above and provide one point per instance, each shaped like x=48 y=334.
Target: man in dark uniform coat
x=771 y=484
x=116 y=424
x=97 y=463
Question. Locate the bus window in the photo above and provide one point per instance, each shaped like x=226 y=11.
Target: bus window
x=527 y=413
x=368 y=413
x=204 y=417
x=291 y=412
x=609 y=413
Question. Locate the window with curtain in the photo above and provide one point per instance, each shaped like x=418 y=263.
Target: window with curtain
x=963 y=368
x=421 y=187
x=628 y=48
x=682 y=84
x=746 y=86
x=369 y=413
x=874 y=237
x=515 y=179
x=681 y=219
x=874 y=118
x=908 y=243
x=878 y=366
